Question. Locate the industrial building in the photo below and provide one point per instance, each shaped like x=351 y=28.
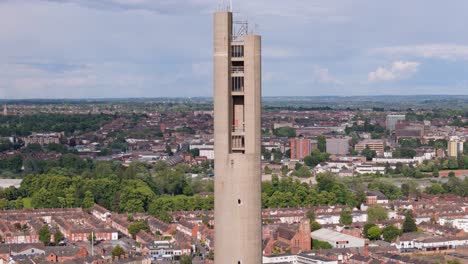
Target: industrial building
x=337 y=239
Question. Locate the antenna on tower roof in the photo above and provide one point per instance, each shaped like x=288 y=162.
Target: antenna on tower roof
x=230 y=6
x=225 y=6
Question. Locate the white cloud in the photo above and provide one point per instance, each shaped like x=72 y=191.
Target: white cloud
x=437 y=51
x=322 y=75
x=398 y=70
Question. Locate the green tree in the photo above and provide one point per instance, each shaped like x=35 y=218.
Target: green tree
x=451 y=164
x=368 y=153
x=376 y=213
x=118 y=251
x=322 y=143
x=58 y=236
x=374 y=233
x=303 y=172
x=404 y=153
x=164 y=216
x=44 y=234
x=315 y=226
x=310 y=214
x=44 y=199
x=297 y=166
x=390 y=232
x=366 y=228
x=317 y=244
x=195 y=152
x=285 y=132
x=316 y=157
x=70 y=197
x=435 y=188
x=389 y=189
x=410 y=187
x=19 y=204
x=135 y=227
x=346 y=218
x=169 y=150
x=88 y=200
x=409 y=225
x=130 y=218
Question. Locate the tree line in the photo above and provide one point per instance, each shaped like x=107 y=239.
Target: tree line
x=160 y=189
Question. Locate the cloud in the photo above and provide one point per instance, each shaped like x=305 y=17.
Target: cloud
x=322 y=75
x=164 y=47
x=399 y=70
x=433 y=51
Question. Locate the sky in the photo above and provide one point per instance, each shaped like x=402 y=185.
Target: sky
x=163 y=48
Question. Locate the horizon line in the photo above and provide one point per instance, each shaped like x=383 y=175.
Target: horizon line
x=211 y=97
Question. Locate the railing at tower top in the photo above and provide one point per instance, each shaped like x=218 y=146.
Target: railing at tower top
x=237 y=38
x=240 y=30
x=237 y=69
x=238 y=128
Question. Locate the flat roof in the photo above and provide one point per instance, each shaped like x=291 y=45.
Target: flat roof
x=5 y=183
x=330 y=235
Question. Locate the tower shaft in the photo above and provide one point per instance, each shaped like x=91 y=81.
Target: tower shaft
x=237 y=134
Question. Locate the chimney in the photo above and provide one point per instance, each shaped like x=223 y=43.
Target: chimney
x=366 y=248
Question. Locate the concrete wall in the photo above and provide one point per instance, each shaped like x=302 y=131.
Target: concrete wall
x=237 y=175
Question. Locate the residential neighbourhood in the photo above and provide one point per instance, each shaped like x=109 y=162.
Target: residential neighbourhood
x=328 y=176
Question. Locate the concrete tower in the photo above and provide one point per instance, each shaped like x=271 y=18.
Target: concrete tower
x=237 y=111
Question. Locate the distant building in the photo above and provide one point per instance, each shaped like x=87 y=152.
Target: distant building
x=455 y=146
x=392 y=120
x=5 y=183
x=376 y=197
x=282 y=124
x=303 y=258
x=43 y=138
x=206 y=150
x=374 y=144
x=288 y=238
x=337 y=239
x=338 y=146
x=409 y=130
x=369 y=169
x=300 y=147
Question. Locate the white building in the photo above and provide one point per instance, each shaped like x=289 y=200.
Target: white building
x=440 y=243
x=458 y=223
x=337 y=239
x=367 y=168
x=206 y=150
x=327 y=219
x=297 y=259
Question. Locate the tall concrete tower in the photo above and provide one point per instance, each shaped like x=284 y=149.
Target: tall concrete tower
x=237 y=111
